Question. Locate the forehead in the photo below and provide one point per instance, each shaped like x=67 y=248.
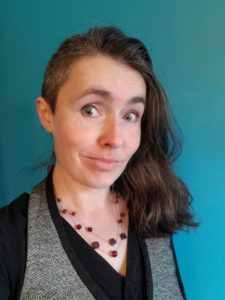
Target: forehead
x=104 y=73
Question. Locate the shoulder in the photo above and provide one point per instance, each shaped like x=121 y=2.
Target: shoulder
x=159 y=244
x=14 y=214
x=161 y=249
x=13 y=222
x=163 y=262
x=13 y=228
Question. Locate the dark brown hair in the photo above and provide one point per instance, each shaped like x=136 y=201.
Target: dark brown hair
x=158 y=201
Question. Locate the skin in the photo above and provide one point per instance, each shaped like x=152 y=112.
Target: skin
x=96 y=129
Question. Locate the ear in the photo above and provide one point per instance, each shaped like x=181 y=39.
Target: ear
x=45 y=114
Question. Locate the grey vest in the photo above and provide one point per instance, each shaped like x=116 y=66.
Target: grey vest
x=49 y=273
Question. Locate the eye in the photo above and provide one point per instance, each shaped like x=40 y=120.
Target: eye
x=90 y=111
x=132 y=117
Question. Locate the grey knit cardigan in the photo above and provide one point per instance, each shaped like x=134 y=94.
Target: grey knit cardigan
x=49 y=273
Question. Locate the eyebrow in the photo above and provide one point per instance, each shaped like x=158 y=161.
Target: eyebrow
x=107 y=94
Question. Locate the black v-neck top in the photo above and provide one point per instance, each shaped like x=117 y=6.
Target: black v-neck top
x=88 y=263
x=100 y=278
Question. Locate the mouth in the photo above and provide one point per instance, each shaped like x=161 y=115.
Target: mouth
x=103 y=163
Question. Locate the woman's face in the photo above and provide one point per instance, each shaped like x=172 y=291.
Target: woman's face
x=96 y=126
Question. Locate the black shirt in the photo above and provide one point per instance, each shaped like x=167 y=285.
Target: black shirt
x=13 y=243
x=13 y=237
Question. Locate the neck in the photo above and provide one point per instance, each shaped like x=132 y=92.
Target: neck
x=87 y=200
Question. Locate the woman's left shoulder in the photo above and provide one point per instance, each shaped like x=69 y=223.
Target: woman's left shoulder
x=164 y=263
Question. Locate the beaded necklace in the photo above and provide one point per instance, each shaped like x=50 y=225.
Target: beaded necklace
x=88 y=232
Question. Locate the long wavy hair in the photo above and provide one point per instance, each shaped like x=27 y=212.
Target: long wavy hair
x=159 y=202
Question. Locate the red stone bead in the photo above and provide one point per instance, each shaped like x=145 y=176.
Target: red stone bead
x=79 y=226
x=112 y=242
x=73 y=213
x=89 y=229
x=95 y=245
x=122 y=214
x=123 y=236
x=120 y=221
x=64 y=211
x=114 y=253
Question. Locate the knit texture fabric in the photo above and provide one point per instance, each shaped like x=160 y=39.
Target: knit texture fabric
x=165 y=283
x=49 y=273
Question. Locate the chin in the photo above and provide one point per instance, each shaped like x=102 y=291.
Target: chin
x=103 y=182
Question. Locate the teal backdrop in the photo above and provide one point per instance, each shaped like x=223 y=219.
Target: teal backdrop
x=186 y=40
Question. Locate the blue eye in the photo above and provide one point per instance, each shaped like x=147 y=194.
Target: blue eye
x=132 y=117
x=89 y=111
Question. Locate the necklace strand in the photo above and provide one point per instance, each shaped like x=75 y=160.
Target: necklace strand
x=86 y=231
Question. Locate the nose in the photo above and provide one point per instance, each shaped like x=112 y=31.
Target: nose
x=111 y=134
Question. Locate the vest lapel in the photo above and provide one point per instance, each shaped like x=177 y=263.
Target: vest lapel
x=49 y=273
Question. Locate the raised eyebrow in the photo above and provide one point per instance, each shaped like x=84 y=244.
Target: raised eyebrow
x=137 y=100
x=95 y=91
x=107 y=94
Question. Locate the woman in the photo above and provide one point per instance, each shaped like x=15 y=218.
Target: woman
x=100 y=225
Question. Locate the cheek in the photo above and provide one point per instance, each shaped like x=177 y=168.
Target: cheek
x=133 y=142
x=70 y=135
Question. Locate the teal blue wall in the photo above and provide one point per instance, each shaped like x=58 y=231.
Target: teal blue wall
x=187 y=42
